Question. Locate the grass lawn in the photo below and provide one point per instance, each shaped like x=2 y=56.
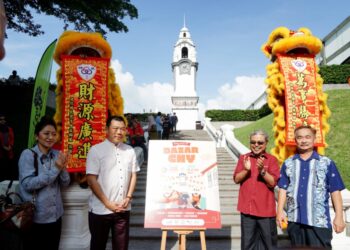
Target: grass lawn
x=338 y=138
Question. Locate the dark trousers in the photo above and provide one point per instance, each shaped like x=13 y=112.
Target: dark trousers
x=303 y=235
x=43 y=236
x=100 y=226
x=258 y=232
x=144 y=149
x=165 y=135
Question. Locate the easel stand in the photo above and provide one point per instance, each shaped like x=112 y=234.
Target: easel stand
x=182 y=232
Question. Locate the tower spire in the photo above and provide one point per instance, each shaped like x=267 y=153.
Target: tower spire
x=184 y=20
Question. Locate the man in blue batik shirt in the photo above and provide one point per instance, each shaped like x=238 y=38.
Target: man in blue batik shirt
x=307 y=181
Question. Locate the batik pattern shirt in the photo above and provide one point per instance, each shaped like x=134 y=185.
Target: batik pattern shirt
x=308 y=184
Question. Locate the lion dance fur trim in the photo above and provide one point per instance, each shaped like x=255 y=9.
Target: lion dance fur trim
x=284 y=41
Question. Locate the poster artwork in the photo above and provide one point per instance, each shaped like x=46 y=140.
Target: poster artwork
x=182 y=185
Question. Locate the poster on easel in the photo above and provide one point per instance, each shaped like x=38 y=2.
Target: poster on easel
x=182 y=185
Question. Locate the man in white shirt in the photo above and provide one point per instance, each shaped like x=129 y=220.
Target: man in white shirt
x=111 y=168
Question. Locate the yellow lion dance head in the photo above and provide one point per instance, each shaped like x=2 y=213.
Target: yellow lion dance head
x=288 y=42
x=85 y=45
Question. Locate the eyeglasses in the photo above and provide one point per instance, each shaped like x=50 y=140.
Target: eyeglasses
x=257 y=142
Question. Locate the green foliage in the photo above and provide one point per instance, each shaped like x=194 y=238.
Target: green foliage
x=92 y=15
x=238 y=114
x=338 y=138
x=242 y=134
x=335 y=73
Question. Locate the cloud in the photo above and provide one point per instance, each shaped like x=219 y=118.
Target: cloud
x=239 y=94
x=154 y=97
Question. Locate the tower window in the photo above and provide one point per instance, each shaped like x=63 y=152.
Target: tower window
x=184 y=52
x=184 y=34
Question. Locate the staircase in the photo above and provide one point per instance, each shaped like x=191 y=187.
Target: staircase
x=226 y=238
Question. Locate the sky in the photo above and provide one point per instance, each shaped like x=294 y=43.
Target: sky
x=227 y=34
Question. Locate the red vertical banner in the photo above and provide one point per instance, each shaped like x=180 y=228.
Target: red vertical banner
x=302 y=106
x=85 y=105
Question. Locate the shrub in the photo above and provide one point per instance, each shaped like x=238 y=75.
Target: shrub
x=335 y=73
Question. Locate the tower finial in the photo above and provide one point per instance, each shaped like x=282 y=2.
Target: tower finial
x=184 y=20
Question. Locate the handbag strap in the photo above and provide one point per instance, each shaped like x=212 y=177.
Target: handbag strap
x=35 y=155
x=9 y=187
x=36 y=166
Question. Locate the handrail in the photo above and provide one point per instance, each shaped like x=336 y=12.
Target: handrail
x=224 y=137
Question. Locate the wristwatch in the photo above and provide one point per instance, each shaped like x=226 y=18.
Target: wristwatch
x=263 y=172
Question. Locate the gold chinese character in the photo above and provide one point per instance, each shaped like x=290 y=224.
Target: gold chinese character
x=83 y=150
x=86 y=91
x=303 y=95
x=300 y=82
x=85 y=131
x=303 y=113
x=86 y=111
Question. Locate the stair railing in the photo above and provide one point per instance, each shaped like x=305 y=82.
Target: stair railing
x=224 y=137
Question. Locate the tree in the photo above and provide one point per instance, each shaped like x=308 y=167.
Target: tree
x=85 y=15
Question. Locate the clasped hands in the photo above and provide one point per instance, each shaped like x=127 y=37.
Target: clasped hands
x=118 y=207
x=259 y=163
x=62 y=160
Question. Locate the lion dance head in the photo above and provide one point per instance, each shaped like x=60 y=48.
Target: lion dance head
x=85 y=45
x=300 y=43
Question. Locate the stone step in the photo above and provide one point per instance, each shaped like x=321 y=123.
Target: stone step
x=137 y=219
x=226 y=232
x=191 y=244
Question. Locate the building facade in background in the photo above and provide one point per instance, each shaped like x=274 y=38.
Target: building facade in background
x=184 y=65
x=336 y=46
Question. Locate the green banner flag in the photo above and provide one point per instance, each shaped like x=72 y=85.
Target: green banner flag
x=41 y=88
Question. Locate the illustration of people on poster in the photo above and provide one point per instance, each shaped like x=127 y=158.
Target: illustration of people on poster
x=182 y=185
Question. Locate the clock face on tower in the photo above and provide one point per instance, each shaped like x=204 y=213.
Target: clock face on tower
x=185 y=68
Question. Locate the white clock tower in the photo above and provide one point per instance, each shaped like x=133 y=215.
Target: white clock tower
x=185 y=68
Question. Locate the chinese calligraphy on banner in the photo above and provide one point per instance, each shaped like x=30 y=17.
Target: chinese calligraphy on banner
x=84 y=108
x=182 y=185
x=302 y=107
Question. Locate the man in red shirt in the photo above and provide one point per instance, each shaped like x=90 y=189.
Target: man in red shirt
x=257 y=172
x=136 y=136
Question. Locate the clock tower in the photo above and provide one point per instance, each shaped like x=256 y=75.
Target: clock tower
x=184 y=99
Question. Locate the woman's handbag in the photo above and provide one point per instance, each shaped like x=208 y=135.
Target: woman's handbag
x=15 y=216
x=18 y=216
